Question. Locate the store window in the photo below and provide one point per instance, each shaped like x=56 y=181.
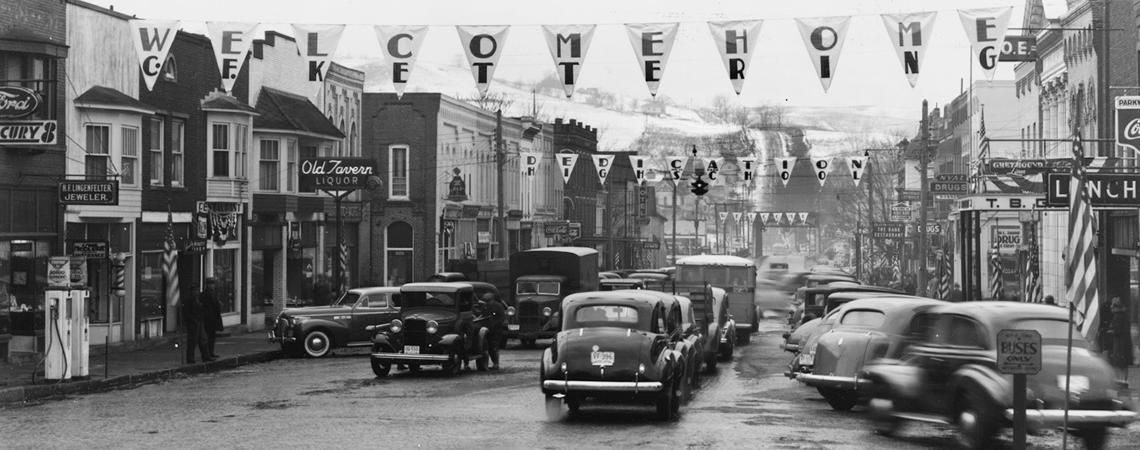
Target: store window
x=398 y=263
x=98 y=146
x=151 y=304
x=177 y=152
x=261 y=267
x=156 y=152
x=241 y=141
x=35 y=72
x=102 y=305
x=224 y=267
x=23 y=277
x=291 y=165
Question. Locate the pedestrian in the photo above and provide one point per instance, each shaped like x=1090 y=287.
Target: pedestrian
x=211 y=318
x=195 y=330
x=1118 y=339
x=1049 y=300
x=955 y=293
x=494 y=318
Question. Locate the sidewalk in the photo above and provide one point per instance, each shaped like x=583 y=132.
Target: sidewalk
x=131 y=364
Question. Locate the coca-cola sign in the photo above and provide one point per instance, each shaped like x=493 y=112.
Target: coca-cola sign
x=1128 y=122
x=336 y=173
x=17 y=101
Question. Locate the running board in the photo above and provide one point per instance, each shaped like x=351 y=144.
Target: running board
x=917 y=417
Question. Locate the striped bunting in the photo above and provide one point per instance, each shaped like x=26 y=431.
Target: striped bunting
x=1081 y=265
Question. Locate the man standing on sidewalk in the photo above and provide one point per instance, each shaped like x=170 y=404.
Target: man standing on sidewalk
x=195 y=330
x=211 y=318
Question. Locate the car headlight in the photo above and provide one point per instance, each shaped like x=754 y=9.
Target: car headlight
x=396 y=325
x=641 y=368
x=432 y=327
x=510 y=310
x=564 y=369
x=547 y=311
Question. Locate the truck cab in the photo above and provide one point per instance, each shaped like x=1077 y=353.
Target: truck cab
x=540 y=279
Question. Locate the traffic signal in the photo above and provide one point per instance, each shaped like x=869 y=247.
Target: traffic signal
x=700 y=187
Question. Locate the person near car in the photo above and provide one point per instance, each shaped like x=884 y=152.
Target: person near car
x=1049 y=300
x=1118 y=338
x=211 y=317
x=494 y=318
x=195 y=330
x=955 y=293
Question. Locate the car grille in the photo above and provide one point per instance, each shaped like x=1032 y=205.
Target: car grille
x=415 y=332
x=530 y=319
x=282 y=327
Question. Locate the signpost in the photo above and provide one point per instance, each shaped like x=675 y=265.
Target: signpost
x=338 y=177
x=89 y=192
x=1019 y=354
x=900 y=213
x=888 y=230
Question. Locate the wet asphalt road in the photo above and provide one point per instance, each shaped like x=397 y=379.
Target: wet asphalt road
x=337 y=402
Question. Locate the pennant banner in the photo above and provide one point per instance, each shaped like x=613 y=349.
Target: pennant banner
x=736 y=40
x=751 y=217
x=153 y=39
x=317 y=44
x=821 y=167
x=736 y=217
x=823 y=37
x=652 y=43
x=637 y=162
x=602 y=165
x=484 y=46
x=803 y=217
x=568 y=45
x=712 y=169
x=566 y=163
x=401 y=44
x=764 y=217
x=985 y=28
x=910 y=35
x=530 y=162
x=784 y=168
x=723 y=217
x=857 y=165
x=677 y=166
x=747 y=171
x=231 y=41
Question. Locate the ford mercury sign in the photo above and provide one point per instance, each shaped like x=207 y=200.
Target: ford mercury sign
x=336 y=173
x=17 y=101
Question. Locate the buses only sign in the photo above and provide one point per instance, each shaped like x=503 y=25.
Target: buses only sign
x=1019 y=352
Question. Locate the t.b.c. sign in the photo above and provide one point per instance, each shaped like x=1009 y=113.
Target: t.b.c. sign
x=336 y=173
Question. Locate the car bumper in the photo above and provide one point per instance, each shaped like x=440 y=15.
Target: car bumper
x=833 y=381
x=1056 y=417
x=388 y=356
x=276 y=338
x=568 y=386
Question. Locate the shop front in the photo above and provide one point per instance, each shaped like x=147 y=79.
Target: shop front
x=220 y=224
x=344 y=256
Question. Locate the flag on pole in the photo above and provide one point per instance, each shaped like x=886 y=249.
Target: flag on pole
x=983 y=141
x=1081 y=271
x=170 y=263
x=997 y=290
x=1032 y=278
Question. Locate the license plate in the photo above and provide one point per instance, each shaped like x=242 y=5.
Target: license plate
x=513 y=326
x=412 y=349
x=602 y=358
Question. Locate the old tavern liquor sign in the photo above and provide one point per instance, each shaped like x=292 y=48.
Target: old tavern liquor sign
x=17 y=102
x=336 y=173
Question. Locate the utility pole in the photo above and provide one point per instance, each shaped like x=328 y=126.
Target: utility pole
x=500 y=163
x=924 y=160
x=716 y=227
x=674 y=221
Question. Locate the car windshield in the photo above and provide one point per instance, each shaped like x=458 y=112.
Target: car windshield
x=863 y=318
x=348 y=299
x=606 y=316
x=537 y=287
x=414 y=299
x=1053 y=331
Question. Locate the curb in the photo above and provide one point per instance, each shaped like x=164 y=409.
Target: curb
x=23 y=394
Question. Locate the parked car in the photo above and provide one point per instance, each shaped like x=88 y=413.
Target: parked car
x=655 y=279
x=316 y=330
x=435 y=327
x=617 y=284
x=447 y=277
x=608 y=275
x=811 y=302
x=694 y=344
x=829 y=300
x=949 y=375
x=857 y=332
x=616 y=346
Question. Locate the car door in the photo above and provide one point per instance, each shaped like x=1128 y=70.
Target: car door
x=370 y=309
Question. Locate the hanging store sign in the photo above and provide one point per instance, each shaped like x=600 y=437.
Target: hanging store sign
x=1019 y=49
x=89 y=249
x=955 y=177
x=900 y=213
x=28 y=132
x=1005 y=237
x=1128 y=122
x=949 y=188
x=84 y=192
x=336 y=173
x=888 y=230
x=16 y=101
x=1002 y=203
x=1104 y=189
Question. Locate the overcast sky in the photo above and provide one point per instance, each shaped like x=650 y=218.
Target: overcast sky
x=868 y=72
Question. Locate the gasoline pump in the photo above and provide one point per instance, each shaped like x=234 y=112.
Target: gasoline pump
x=57 y=335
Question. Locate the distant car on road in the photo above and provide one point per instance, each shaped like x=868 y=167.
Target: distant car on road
x=617 y=284
x=316 y=330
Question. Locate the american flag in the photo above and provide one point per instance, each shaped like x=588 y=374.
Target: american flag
x=997 y=289
x=170 y=263
x=984 y=142
x=1081 y=270
x=1032 y=278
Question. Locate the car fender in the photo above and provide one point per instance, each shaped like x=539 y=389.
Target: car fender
x=895 y=376
x=985 y=380
x=338 y=331
x=382 y=339
x=448 y=340
x=480 y=343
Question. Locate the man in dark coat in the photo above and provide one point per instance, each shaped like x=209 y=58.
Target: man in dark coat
x=1118 y=339
x=494 y=318
x=195 y=330
x=211 y=318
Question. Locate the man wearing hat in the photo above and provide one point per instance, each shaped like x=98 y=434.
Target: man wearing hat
x=493 y=316
x=211 y=317
x=195 y=332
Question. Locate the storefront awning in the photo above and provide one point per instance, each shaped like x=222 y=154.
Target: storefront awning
x=103 y=97
x=283 y=111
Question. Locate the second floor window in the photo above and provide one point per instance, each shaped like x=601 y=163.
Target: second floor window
x=177 y=154
x=241 y=154
x=156 y=153
x=291 y=165
x=398 y=172
x=269 y=168
x=129 y=172
x=98 y=150
x=220 y=150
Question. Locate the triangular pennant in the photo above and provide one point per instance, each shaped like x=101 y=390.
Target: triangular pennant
x=484 y=46
x=823 y=37
x=736 y=217
x=153 y=39
x=530 y=162
x=566 y=163
x=821 y=167
x=784 y=168
x=910 y=37
x=751 y=217
x=713 y=169
x=985 y=28
x=231 y=41
x=786 y=218
x=857 y=164
x=637 y=162
x=602 y=165
x=401 y=43
x=723 y=217
x=747 y=167
x=677 y=166
x=317 y=44
x=736 y=41
x=764 y=217
x=568 y=46
x=652 y=44
x=803 y=218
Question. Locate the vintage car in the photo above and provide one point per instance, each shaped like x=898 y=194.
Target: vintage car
x=435 y=327
x=693 y=344
x=656 y=280
x=811 y=302
x=608 y=275
x=831 y=299
x=617 y=284
x=316 y=330
x=710 y=306
x=949 y=375
x=616 y=346
x=857 y=332
x=447 y=277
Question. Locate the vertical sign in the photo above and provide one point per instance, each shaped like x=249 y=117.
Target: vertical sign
x=909 y=35
x=317 y=43
x=153 y=40
x=602 y=165
x=231 y=41
x=986 y=30
x=566 y=163
x=823 y=37
x=784 y=167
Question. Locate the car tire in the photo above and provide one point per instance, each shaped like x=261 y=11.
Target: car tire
x=710 y=362
x=317 y=344
x=553 y=408
x=839 y=400
x=381 y=368
x=414 y=368
x=695 y=377
x=743 y=339
x=883 y=421
x=976 y=421
x=1093 y=438
x=686 y=388
x=454 y=364
x=482 y=362
x=665 y=402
